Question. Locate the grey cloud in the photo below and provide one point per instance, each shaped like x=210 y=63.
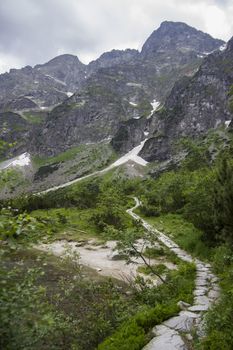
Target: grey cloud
x=34 y=31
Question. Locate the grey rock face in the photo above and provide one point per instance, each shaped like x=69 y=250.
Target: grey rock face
x=129 y=135
x=194 y=106
x=87 y=117
x=114 y=100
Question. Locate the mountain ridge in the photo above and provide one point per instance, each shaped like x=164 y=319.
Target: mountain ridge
x=73 y=105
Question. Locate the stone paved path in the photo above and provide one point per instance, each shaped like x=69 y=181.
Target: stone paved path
x=171 y=334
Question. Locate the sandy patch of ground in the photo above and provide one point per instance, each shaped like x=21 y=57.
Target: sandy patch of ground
x=103 y=258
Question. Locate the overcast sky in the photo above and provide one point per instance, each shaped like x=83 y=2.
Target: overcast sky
x=34 y=31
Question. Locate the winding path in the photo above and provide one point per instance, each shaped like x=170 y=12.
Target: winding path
x=176 y=332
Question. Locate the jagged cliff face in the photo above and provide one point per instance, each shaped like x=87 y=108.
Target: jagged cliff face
x=111 y=96
x=194 y=106
x=87 y=117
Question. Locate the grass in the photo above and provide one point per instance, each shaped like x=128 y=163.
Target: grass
x=159 y=268
x=67 y=155
x=69 y=223
x=182 y=232
x=102 y=154
x=161 y=252
x=35 y=118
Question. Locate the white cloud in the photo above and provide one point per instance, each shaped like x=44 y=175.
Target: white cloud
x=33 y=31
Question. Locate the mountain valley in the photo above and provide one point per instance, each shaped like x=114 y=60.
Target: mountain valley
x=116 y=198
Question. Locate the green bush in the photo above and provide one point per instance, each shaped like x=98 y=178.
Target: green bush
x=133 y=334
x=161 y=304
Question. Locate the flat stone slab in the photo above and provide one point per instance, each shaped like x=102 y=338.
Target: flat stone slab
x=202 y=300
x=182 y=323
x=203 y=274
x=200 y=291
x=201 y=282
x=198 y=308
x=167 y=339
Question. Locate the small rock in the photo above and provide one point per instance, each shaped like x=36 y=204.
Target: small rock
x=183 y=305
x=128 y=292
x=214 y=279
x=213 y=294
x=188 y=336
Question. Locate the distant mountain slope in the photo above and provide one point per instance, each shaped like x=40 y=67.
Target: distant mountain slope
x=119 y=86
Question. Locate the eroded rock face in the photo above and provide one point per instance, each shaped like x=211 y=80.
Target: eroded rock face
x=194 y=106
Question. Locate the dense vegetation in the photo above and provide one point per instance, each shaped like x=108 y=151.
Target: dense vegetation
x=193 y=203
x=201 y=192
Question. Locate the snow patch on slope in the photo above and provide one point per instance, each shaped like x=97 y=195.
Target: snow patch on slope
x=131 y=155
x=133 y=104
x=55 y=79
x=22 y=160
x=227 y=123
x=155 y=105
x=223 y=47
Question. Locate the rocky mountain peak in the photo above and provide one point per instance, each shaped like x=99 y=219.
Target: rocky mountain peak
x=179 y=36
x=194 y=106
x=61 y=59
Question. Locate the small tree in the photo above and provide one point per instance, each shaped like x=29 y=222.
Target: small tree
x=132 y=248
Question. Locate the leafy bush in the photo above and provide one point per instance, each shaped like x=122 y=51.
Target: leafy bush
x=27 y=321
x=132 y=335
x=20 y=226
